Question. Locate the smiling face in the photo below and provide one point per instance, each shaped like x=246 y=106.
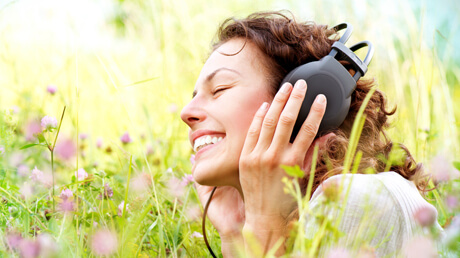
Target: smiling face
x=227 y=94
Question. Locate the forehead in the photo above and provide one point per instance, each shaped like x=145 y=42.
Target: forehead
x=234 y=54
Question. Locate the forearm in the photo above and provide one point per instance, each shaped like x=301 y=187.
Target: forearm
x=266 y=232
x=231 y=244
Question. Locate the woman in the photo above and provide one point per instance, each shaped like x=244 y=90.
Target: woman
x=240 y=125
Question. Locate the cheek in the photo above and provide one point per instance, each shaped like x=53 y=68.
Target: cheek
x=245 y=116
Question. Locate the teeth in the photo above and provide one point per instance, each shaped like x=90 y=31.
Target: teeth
x=205 y=140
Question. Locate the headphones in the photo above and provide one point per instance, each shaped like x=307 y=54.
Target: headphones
x=327 y=76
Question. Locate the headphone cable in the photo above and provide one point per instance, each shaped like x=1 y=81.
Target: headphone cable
x=203 y=226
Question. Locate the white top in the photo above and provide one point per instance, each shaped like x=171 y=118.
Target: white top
x=378 y=211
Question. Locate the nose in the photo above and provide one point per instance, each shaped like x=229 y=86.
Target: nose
x=193 y=113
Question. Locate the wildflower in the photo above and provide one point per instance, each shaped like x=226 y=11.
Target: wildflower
x=15 y=109
x=47 y=180
x=196 y=234
x=2 y=150
x=66 y=194
x=187 y=179
x=99 y=142
x=149 y=150
x=13 y=240
x=141 y=182
x=192 y=159
x=65 y=149
x=48 y=247
x=49 y=123
x=172 y=108
x=29 y=248
x=366 y=252
x=23 y=170
x=104 y=242
x=37 y=175
x=51 y=89
x=32 y=129
x=125 y=138
x=339 y=253
x=83 y=136
x=452 y=202
x=81 y=174
x=420 y=246
x=176 y=187
x=193 y=213
x=108 y=192
x=120 y=208
x=67 y=206
x=442 y=169
x=425 y=216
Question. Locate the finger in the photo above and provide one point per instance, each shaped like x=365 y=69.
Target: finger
x=321 y=142
x=254 y=129
x=310 y=127
x=271 y=119
x=289 y=115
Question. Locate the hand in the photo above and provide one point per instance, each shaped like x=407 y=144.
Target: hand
x=267 y=147
x=226 y=211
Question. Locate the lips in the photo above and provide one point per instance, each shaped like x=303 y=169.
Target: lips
x=202 y=138
x=205 y=140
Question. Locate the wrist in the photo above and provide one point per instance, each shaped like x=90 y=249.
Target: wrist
x=230 y=244
x=265 y=231
x=230 y=238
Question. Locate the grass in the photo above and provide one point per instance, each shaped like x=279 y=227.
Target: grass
x=131 y=69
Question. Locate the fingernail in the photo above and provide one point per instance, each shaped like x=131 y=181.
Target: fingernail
x=264 y=106
x=301 y=84
x=285 y=88
x=320 y=99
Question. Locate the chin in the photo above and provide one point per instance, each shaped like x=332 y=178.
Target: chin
x=213 y=177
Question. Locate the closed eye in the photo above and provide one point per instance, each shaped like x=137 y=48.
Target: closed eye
x=219 y=89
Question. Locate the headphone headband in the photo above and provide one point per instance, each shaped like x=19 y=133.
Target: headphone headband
x=329 y=77
x=348 y=30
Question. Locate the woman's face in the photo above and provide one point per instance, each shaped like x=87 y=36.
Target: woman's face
x=228 y=92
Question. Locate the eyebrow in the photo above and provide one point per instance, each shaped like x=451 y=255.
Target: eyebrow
x=211 y=75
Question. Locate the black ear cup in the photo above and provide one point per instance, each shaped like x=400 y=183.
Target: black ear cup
x=327 y=76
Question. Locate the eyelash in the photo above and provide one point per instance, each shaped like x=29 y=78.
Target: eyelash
x=218 y=90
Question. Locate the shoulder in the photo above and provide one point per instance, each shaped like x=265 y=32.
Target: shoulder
x=377 y=189
x=378 y=206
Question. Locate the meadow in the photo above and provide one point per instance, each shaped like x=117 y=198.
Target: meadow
x=95 y=160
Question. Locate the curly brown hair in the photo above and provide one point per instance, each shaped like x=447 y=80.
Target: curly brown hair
x=287 y=44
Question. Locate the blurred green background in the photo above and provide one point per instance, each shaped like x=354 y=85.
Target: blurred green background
x=131 y=65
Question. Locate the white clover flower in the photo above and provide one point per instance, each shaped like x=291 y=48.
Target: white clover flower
x=51 y=89
x=81 y=174
x=49 y=123
x=37 y=175
x=66 y=194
